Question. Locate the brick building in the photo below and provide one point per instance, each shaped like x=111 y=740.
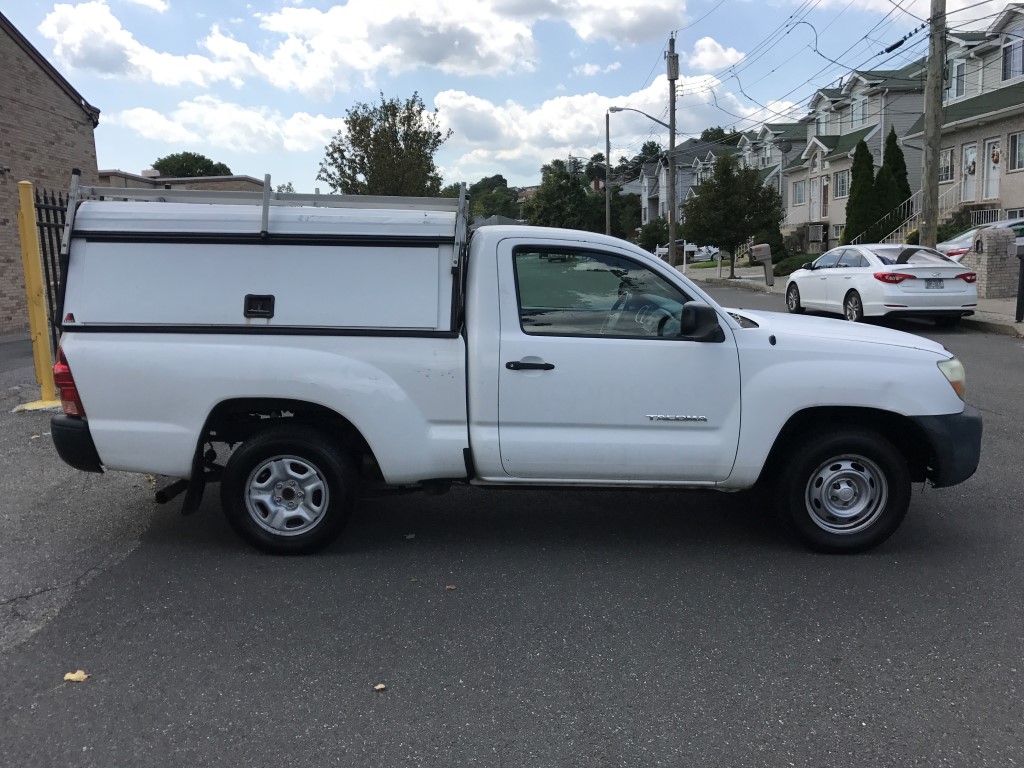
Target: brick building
x=46 y=129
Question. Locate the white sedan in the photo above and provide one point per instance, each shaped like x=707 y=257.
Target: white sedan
x=861 y=281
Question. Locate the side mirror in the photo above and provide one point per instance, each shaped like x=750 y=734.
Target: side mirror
x=699 y=322
x=807 y=265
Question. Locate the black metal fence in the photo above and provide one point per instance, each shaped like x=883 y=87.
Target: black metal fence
x=51 y=212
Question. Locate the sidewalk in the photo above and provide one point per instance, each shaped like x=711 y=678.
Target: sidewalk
x=992 y=315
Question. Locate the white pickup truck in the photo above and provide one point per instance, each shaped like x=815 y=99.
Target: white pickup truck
x=338 y=344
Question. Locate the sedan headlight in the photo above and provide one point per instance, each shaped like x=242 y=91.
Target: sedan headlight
x=955 y=374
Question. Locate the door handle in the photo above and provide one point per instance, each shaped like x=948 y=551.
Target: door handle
x=515 y=365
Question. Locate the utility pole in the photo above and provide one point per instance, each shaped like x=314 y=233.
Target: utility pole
x=673 y=75
x=933 y=124
x=607 y=173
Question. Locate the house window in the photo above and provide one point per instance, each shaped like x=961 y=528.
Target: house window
x=959 y=84
x=1016 y=151
x=799 y=192
x=837 y=229
x=1013 y=59
x=841 y=187
x=1015 y=213
x=859 y=111
x=821 y=127
x=945 y=165
x=815 y=161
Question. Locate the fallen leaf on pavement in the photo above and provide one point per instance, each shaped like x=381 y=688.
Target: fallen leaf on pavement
x=450 y=587
x=380 y=687
x=75 y=677
x=34 y=437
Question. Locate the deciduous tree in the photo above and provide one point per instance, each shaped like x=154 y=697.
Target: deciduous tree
x=189 y=165
x=730 y=207
x=385 y=149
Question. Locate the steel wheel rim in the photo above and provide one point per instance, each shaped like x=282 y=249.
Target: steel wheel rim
x=286 y=495
x=846 y=494
x=852 y=308
x=791 y=300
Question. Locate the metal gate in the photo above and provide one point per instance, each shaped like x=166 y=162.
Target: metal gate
x=51 y=213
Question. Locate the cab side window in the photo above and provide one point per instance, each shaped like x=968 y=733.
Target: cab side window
x=589 y=293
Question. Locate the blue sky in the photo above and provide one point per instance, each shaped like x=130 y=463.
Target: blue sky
x=264 y=85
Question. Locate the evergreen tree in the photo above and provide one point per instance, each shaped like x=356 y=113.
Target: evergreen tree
x=888 y=197
x=861 y=210
x=894 y=160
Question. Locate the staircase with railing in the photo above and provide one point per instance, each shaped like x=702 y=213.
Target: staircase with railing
x=908 y=216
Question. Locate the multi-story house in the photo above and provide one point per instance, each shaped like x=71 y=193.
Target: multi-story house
x=981 y=159
x=866 y=105
x=770 y=148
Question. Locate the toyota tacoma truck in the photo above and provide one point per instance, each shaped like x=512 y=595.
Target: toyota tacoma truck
x=303 y=350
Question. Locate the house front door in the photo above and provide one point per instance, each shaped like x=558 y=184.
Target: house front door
x=814 y=207
x=992 y=165
x=970 y=171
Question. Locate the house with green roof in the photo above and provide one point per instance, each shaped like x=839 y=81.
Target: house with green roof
x=770 y=148
x=981 y=159
x=865 y=105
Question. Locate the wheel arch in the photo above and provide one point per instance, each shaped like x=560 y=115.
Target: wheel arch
x=903 y=432
x=236 y=420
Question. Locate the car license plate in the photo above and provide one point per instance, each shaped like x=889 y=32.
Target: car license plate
x=933 y=283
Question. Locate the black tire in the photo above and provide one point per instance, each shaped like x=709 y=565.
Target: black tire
x=289 y=465
x=853 y=307
x=844 y=492
x=793 y=300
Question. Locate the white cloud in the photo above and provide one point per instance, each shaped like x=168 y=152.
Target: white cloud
x=210 y=121
x=150 y=124
x=709 y=55
x=157 y=5
x=88 y=36
x=319 y=52
x=515 y=140
x=589 y=70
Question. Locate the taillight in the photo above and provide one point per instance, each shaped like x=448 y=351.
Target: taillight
x=893 y=277
x=968 y=277
x=70 y=400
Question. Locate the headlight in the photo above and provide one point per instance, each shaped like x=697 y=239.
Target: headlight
x=955 y=374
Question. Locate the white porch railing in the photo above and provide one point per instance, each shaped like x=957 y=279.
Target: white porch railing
x=909 y=215
x=987 y=216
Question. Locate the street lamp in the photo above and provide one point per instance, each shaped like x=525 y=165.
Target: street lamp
x=671 y=179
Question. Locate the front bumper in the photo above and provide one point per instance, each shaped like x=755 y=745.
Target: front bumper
x=73 y=441
x=955 y=442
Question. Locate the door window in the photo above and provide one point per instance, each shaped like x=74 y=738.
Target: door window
x=828 y=260
x=587 y=293
x=852 y=258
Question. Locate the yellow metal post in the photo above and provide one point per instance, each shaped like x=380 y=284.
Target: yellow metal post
x=31 y=260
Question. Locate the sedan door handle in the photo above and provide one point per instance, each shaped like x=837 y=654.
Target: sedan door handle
x=515 y=365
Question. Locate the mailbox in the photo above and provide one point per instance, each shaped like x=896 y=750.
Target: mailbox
x=762 y=254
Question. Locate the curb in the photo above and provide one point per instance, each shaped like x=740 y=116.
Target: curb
x=1015 y=330
x=737 y=282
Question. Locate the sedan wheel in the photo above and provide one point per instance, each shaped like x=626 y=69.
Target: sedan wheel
x=853 y=307
x=793 y=299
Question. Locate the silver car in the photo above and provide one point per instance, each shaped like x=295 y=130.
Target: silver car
x=961 y=243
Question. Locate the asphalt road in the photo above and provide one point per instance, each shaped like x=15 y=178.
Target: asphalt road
x=584 y=629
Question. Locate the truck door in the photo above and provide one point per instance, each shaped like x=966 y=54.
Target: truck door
x=595 y=382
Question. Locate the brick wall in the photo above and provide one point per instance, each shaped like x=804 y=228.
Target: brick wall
x=997 y=269
x=43 y=135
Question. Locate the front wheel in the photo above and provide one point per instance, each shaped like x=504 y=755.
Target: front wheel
x=288 y=490
x=793 y=299
x=845 y=492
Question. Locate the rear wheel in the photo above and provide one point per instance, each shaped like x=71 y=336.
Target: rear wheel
x=793 y=299
x=844 y=492
x=288 y=490
x=853 y=307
